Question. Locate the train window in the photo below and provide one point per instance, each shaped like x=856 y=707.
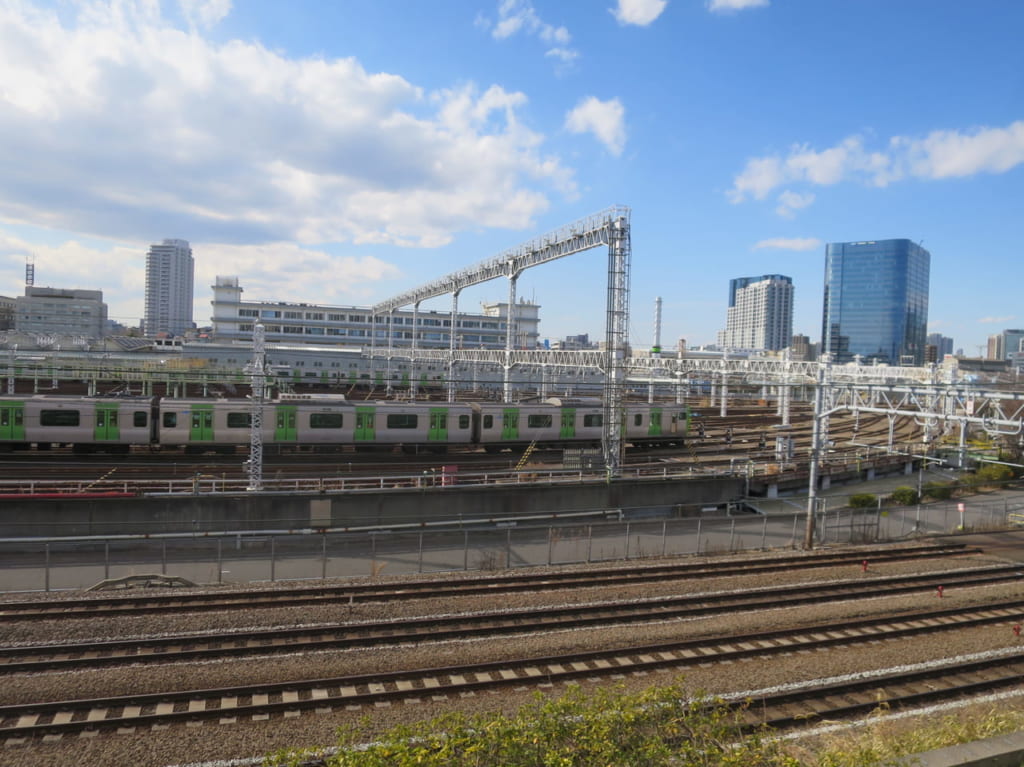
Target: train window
x=239 y=420
x=402 y=421
x=59 y=418
x=538 y=421
x=638 y=419
x=140 y=418
x=463 y=421
x=325 y=420
x=488 y=421
x=594 y=419
x=170 y=420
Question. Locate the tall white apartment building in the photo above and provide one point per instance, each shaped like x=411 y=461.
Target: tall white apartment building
x=760 y=313
x=169 y=281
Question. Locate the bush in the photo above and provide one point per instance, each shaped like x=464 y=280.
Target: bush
x=904 y=496
x=940 y=491
x=862 y=501
x=994 y=473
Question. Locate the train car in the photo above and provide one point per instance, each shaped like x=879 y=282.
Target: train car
x=86 y=424
x=554 y=422
x=650 y=426
x=304 y=421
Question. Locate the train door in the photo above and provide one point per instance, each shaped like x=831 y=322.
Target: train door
x=107 y=428
x=286 y=424
x=510 y=424
x=12 y=421
x=568 y=430
x=202 y=424
x=438 y=431
x=654 y=427
x=364 y=431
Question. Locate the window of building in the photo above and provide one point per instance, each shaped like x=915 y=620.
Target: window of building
x=294 y=329
x=293 y=315
x=314 y=315
x=270 y=314
x=248 y=313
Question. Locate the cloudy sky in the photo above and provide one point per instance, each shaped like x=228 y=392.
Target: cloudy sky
x=343 y=152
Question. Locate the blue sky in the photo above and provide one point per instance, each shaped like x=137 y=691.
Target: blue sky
x=343 y=152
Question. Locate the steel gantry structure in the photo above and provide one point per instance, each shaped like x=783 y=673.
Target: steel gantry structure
x=610 y=228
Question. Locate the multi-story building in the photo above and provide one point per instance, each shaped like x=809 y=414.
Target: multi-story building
x=169 y=285
x=297 y=323
x=59 y=311
x=1002 y=345
x=7 y=309
x=943 y=344
x=876 y=301
x=760 y=313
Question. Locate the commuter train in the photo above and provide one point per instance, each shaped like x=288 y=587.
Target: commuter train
x=115 y=424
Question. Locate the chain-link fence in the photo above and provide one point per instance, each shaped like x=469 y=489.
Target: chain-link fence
x=59 y=564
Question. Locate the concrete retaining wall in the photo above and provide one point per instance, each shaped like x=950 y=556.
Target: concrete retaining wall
x=215 y=513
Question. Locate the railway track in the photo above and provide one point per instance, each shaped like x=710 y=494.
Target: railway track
x=421 y=589
x=352 y=636
x=133 y=713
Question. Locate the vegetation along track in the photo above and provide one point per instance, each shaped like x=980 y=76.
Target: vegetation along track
x=19 y=723
x=198 y=647
x=64 y=609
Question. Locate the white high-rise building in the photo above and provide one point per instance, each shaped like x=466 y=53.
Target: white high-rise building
x=169 y=281
x=760 y=313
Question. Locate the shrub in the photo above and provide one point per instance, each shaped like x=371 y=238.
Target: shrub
x=994 y=473
x=940 y=491
x=862 y=501
x=904 y=496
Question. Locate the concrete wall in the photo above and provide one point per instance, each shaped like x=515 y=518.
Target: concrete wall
x=209 y=513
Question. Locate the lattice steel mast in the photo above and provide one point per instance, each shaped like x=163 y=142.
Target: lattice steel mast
x=616 y=339
x=258 y=373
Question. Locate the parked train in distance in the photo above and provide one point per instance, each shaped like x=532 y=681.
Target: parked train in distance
x=114 y=424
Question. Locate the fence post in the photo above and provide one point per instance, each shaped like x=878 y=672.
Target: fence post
x=220 y=561
x=508 y=547
x=163 y=557
x=106 y=560
x=273 y=559
x=699 y=520
x=764 y=533
x=590 y=541
x=627 y=542
x=419 y=562
x=551 y=541
x=664 y=536
x=465 y=550
x=792 y=537
x=47 y=569
x=732 y=535
x=323 y=558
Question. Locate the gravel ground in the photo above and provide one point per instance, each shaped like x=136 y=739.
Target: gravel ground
x=183 y=744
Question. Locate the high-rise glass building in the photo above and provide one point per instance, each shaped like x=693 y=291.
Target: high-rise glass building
x=760 y=313
x=876 y=301
x=169 y=281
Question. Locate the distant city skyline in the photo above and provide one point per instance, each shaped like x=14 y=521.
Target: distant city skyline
x=326 y=153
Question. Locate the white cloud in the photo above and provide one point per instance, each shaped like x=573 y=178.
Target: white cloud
x=730 y=6
x=789 y=202
x=791 y=243
x=515 y=16
x=638 y=12
x=998 y=320
x=118 y=124
x=939 y=155
x=605 y=119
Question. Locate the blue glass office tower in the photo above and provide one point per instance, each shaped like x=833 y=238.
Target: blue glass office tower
x=876 y=301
